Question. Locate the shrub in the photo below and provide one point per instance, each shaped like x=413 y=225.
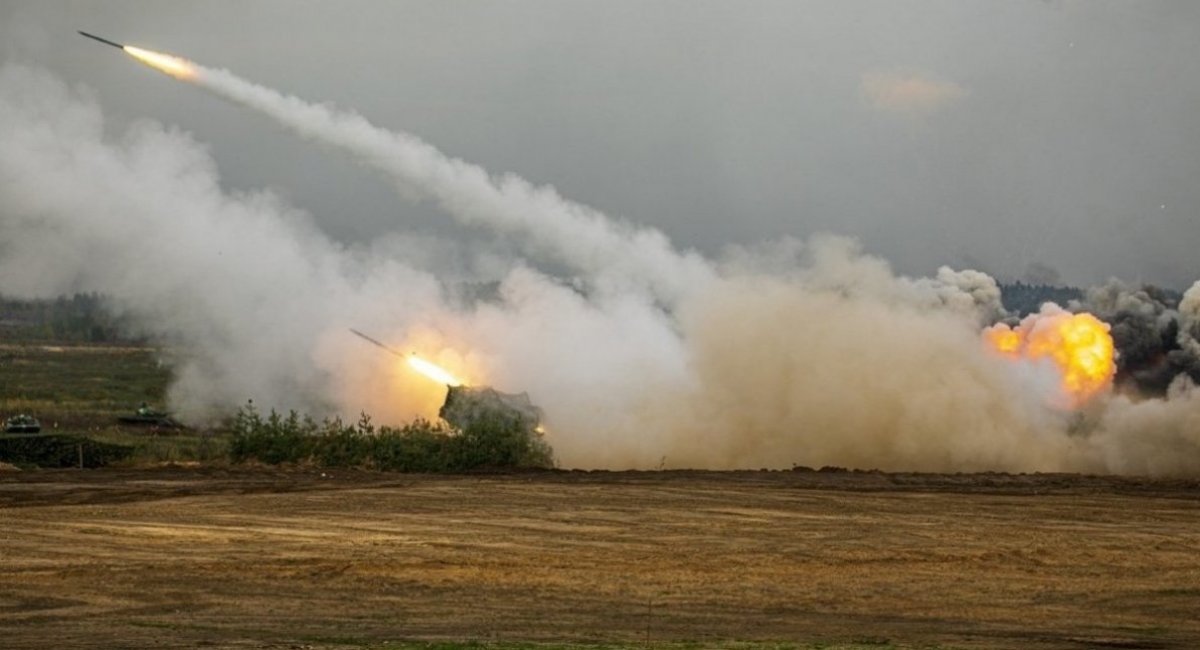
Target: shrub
x=492 y=440
x=501 y=439
x=273 y=440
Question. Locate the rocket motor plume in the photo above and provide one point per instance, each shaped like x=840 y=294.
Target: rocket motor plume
x=433 y=371
x=1078 y=346
x=165 y=63
x=427 y=368
x=168 y=64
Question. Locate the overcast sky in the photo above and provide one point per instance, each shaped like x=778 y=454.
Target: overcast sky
x=998 y=135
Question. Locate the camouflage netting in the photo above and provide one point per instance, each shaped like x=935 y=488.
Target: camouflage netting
x=468 y=405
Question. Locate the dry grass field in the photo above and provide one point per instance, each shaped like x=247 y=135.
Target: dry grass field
x=257 y=557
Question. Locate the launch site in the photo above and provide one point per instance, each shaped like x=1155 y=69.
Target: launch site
x=546 y=325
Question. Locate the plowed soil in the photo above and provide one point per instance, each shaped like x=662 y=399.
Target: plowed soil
x=258 y=557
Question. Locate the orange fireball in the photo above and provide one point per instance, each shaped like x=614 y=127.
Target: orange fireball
x=1004 y=340
x=1078 y=346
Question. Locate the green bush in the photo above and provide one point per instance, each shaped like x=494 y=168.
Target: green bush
x=501 y=439
x=492 y=441
x=417 y=447
x=272 y=440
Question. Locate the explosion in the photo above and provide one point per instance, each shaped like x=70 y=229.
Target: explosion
x=1003 y=339
x=1078 y=346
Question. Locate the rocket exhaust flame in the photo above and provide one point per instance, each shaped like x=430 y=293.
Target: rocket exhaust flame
x=1078 y=346
x=433 y=371
x=427 y=368
x=165 y=63
x=172 y=65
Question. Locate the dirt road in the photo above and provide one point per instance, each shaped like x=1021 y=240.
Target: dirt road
x=269 y=558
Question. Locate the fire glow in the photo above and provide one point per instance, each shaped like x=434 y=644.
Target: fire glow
x=172 y=65
x=433 y=371
x=1078 y=346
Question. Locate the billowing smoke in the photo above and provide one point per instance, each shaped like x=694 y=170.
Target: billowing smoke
x=797 y=353
x=240 y=288
x=1189 y=326
x=1153 y=331
x=969 y=292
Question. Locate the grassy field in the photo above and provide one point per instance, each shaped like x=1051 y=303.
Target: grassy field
x=83 y=389
x=79 y=388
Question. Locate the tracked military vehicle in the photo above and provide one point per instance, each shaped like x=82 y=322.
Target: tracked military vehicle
x=466 y=405
x=22 y=423
x=145 y=416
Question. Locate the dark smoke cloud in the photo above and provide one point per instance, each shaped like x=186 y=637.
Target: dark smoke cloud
x=1148 y=331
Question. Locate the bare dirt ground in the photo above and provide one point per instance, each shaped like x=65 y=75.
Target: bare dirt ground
x=256 y=557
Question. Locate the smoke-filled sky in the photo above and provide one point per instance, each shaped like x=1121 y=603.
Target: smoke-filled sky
x=1005 y=136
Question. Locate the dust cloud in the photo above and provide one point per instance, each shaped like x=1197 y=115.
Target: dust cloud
x=800 y=352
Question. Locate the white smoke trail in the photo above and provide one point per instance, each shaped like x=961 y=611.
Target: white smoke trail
x=614 y=255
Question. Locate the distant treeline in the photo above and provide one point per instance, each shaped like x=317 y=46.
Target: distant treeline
x=1024 y=299
x=80 y=318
